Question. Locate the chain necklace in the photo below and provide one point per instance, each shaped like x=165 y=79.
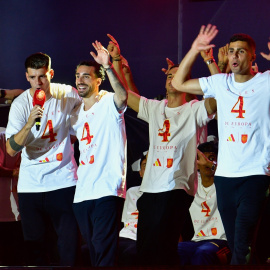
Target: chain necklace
x=206 y=192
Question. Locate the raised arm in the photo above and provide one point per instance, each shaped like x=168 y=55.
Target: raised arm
x=223 y=61
x=209 y=60
x=121 y=65
x=114 y=51
x=102 y=57
x=201 y=43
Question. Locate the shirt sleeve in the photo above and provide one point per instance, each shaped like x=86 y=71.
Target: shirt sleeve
x=144 y=109
x=199 y=110
x=209 y=85
x=16 y=120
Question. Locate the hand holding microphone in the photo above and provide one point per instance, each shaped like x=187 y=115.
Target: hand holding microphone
x=39 y=99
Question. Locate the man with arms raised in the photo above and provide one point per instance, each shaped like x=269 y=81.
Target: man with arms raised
x=243 y=102
x=100 y=128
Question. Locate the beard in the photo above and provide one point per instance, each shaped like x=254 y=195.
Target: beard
x=85 y=93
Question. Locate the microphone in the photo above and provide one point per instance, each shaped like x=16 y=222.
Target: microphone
x=39 y=99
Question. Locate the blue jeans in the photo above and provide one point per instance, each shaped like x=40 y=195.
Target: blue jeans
x=201 y=252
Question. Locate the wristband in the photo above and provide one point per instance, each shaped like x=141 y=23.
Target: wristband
x=2 y=93
x=16 y=147
x=117 y=58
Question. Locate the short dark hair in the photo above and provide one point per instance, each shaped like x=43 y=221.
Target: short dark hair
x=99 y=71
x=143 y=157
x=38 y=60
x=244 y=37
x=174 y=66
x=209 y=147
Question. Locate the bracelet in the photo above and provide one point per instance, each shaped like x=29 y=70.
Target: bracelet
x=213 y=168
x=117 y=58
x=210 y=61
x=16 y=147
x=107 y=68
x=3 y=93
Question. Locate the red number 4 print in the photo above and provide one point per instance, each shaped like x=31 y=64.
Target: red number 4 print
x=205 y=209
x=240 y=110
x=87 y=137
x=51 y=134
x=165 y=134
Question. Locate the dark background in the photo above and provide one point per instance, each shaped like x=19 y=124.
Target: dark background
x=148 y=31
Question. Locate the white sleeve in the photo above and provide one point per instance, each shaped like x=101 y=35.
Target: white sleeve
x=16 y=120
x=200 y=113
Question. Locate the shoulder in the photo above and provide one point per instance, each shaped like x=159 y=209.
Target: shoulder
x=22 y=100
x=152 y=102
x=60 y=91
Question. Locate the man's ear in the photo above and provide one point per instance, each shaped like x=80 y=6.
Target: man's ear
x=51 y=73
x=99 y=81
x=27 y=77
x=253 y=57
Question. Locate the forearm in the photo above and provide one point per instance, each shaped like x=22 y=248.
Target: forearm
x=10 y=94
x=118 y=87
x=212 y=66
x=18 y=141
x=117 y=65
x=131 y=83
x=180 y=81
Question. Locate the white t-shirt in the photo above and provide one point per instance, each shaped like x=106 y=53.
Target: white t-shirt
x=173 y=134
x=243 y=123
x=130 y=213
x=47 y=160
x=102 y=142
x=205 y=216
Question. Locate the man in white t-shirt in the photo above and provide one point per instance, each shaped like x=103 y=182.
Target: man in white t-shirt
x=209 y=244
x=47 y=176
x=243 y=102
x=100 y=128
x=170 y=178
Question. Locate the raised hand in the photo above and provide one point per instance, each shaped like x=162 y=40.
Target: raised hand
x=255 y=68
x=202 y=159
x=206 y=35
x=208 y=54
x=223 y=54
x=266 y=56
x=113 y=47
x=170 y=64
x=102 y=56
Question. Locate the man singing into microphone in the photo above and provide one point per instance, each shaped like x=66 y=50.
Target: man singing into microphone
x=47 y=175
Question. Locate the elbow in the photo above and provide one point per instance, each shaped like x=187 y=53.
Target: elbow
x=10 y=151
x=176 y=85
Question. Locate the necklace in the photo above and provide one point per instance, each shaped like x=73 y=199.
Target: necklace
x=206 y=192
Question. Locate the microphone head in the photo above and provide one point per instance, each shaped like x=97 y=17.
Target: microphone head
x=39 y=97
